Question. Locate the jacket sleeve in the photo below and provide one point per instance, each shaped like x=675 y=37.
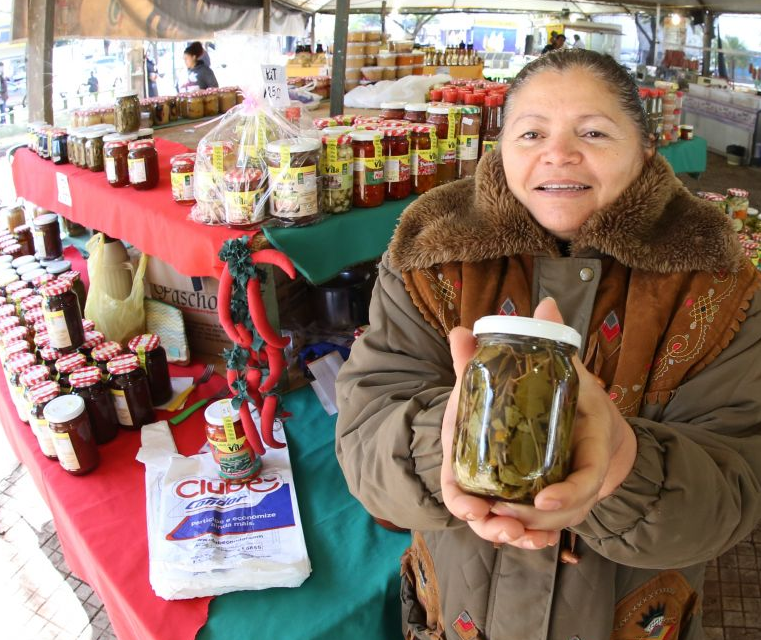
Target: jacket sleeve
x=391 y=396
x=695 y=489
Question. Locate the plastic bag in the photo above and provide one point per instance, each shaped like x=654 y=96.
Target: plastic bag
x=253 y=163
x=407 y=89
x=118 y=319
x=208 y=536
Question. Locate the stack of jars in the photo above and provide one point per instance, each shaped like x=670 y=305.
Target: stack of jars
x=50 y=143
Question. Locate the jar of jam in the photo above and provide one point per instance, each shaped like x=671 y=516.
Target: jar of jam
x=41 y=340
x=76 y=147
x=173 y=106
x=337 y=172
x=231 y=451
x=130 y=392
x=392 y=110
x=59 y=150
x=14 y=217
x=147 y=347
x=87 y=325
x=213 y=159
x=102 y=354
x=42 y=279
x=77 y=286
x=19 y=296
x=94 y=150
x=67 y=364
x=28 y=305
x=183 y=166
x=146 y=133
x=29 y=276
x=227 y=99
x=33 y=317
x=8 y=277
x=23 y=234
x=62 y=316
x=127 y=112
x=445 y=119
x=92 y=339
x=194 y=106
x=369 y=186
x=10 y=353
x=16 y=334
x=6 y=324
x=14 y=286
x=29 y=378
x=115 y=158
x=49 y=357
x=294 y=181
x=86 y=383
x=396 y=164
x=143 y=164
x=17 y=365
x=72 y=436
x=322 y=123
x=40 y=395
x=468 y=141
x=415 y=112
x=210 y=103
x=244 y=193
x=160 y=112
x=48 y=236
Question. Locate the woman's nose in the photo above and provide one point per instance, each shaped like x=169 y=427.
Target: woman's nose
x=562 y=149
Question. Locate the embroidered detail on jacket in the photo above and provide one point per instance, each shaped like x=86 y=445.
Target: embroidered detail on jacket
x=466 y=628
x=508 y=308
x=445 y=293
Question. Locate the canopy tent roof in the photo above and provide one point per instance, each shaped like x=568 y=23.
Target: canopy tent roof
x=532 y=6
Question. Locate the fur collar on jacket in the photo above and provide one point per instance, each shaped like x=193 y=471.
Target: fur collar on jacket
x=655 y=225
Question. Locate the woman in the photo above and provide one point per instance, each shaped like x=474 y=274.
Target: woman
x=575 y=206
x=200 y=76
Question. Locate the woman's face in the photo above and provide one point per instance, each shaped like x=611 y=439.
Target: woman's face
x=190 y=61
x=568 y=149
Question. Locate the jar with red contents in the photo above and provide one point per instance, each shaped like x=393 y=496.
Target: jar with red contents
x=72 y=435
x=103 y=353
x=396 y=164
x=415 y=112
x=17 y=297
x=423 y=145
x=17 y=365
x=143 y=164
x=445 y=119
x=41 y=341
x=40 y=395
x=49 y=356
x=29 y=378
x=93 y=339
x=392 y=110
x=147 y=347
x=16 y=334
x=181 y=176
x=8 y=323
x=115 y=154
x=65 y=366
x=86 y=382
x=88 y=325
x=130 y=392
x=369 y=185
x=62 y=316
x=24 y=237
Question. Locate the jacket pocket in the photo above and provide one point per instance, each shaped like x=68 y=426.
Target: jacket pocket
x=421 y=607
x=661 y=608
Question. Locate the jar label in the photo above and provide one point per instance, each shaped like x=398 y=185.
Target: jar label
x=452 y=123
x=136 y=170
x=240 y=464
x=397 y=168
x=141 y=357
x=422 y=163
x=58 y=330
x=123 y=416
x=488 y=145
x=240 y=206
x=467 y=147
x=44 y=436
x=110 y=165
x=182 y=186
x=369 y=171
x=337 y=175
x=64 y=449
x=447 y=151
x=204 y=186
x=294 y=192
x=231 y=439
x=218 y=158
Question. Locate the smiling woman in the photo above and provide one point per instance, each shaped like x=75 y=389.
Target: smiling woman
x=576 y=207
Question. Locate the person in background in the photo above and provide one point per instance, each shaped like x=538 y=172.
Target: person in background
x=577 y=43
x=92 y=83
x=3 y=93
x=550 y=43
x=200 y=76
x=152 y=76
x=559 y=42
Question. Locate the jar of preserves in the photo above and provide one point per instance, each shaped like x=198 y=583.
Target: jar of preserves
x=396 y=163
x=47 y=234
x=737 y=203
x=516 y=409
x=369 y=186
x=16 y=334
x=143 y=162
x=10 y=353
x=49 y=356
x=88 y=325
x=337 y=172
x=173 y=106
x=231 y=451
x=244 y=192
x=33 y=316
x=6 y=324
x=17 y=365
x=29 y=276
x=29 y=305
x=43 y=142
x=19 y=296
x=415 y=112
x=23 y=234
x=392 y=110
x=28 y=379
x=7 y=310
x=40 y=395
x=115 y=158
x=72 y=436
x=41 y=340
x=59 y=149
x=103 y=353
x=213 y=160
x=130 y=392
x=194 y=106
x=127 y=112
x=226 y=99
x=445 y=119
x=492 y=125
x=89 y=118
x=14 y=217
x=86 y=383
x=160 y=112
x=67 y=364
x=14 y=286
x=323 y=123
x=294 y=181
x=468 y=141
x=93 y=339
x=145 y=133
x=210 y=103
x=7 y=278
x=62 y=316
x=183 y=166
x=78 y=287
x=94 y=150
x=152 y=357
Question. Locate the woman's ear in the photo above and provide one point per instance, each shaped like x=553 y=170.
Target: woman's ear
x=650 y=148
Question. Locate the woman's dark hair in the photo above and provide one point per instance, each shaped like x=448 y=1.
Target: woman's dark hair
x=617 y=78
x=194 y=49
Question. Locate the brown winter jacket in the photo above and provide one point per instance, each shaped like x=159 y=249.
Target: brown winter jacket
x=695 y=489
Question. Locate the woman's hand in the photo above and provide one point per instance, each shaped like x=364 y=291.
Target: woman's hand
x=604 y=448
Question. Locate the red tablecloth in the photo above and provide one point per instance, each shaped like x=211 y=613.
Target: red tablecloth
x=89 y=516
x=150 y=220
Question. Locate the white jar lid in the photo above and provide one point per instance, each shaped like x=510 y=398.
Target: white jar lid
x=416 y=106
x=215 y=413
x=531 y=327
x=366 y=135
x=392 y=105
x=63 y=408
x=22 y=260
x=295 y=145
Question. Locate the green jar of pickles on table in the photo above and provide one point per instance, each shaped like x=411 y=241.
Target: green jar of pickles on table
x=516 y=408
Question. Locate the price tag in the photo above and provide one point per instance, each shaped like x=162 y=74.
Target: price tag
x=64 y=193
x=275 y=85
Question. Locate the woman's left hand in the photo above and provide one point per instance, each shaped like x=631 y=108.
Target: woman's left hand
x=604 y=449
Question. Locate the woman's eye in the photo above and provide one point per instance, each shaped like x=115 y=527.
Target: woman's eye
x=595 y=134
x=529 y=135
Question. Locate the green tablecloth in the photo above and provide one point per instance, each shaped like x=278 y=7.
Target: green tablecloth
x=320 y=251
x=353 y=591
x=687 y=156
